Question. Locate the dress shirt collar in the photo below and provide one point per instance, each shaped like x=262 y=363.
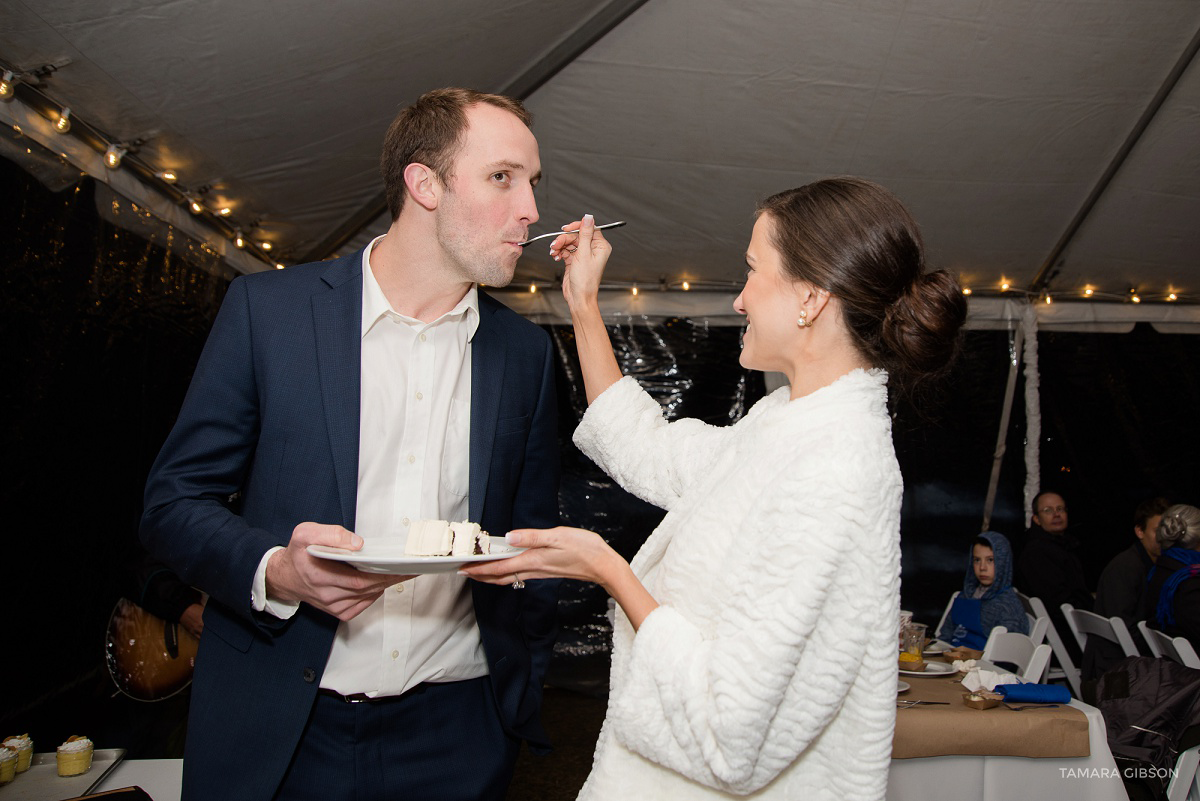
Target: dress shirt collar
x=375 y=304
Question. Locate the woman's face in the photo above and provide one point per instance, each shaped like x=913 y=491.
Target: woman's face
x=771 y=302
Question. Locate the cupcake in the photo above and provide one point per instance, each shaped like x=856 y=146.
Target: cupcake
x=8 y=764
x=24 y=748
x=75 y=756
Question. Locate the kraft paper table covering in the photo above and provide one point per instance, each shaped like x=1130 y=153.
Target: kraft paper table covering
x=936 y=730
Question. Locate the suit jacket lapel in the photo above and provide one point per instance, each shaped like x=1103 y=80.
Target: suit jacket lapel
x=337 y=320
x=487 y=376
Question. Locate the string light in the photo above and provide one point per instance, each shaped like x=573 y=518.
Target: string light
x=63 y=123
x=278 y=265
x=225 y=211
x=113 y=156
x=1004 y=286
x=195 y=206
x=1087 y=293
x=1047 y=299
x=966 y=290
x=238 y=241
x=169 y=176
x=265 y=245
x=1172 y=296
x=634 y=290
x=8 y=86
x=1135 y=298
x=686 y=286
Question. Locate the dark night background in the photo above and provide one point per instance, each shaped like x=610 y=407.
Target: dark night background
x=101 y=331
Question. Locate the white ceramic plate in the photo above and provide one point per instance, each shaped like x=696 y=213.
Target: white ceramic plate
x=902 y=687
x=390 y=557
x=931 y=669
x=936 y=648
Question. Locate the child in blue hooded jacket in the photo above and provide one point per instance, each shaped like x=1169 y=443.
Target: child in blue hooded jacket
x=987 y=599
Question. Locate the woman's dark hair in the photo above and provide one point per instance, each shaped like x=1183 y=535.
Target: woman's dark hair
x=854 y=239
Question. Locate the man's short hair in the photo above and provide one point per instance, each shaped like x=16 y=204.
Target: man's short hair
x=1148 y=509
x=430 y=132
x=1038 y=497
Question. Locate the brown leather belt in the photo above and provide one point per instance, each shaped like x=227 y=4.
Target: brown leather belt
x=363 y=698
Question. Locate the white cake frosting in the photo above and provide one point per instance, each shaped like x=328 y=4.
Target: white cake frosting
x=439 y=538
x=7 y=754
x=18 y=742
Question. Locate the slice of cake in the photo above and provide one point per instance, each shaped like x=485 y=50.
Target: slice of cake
x=439 y=538
x=24 y=748
x=75 y=756
x=469 y=539
x=429 y=538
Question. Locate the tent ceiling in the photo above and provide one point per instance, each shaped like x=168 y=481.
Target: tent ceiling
x=993 y=120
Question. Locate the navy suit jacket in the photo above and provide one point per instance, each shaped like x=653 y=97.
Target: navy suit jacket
x=272 y=417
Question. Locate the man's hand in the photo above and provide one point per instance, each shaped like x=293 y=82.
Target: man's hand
x=293 y=574
x=192 y=619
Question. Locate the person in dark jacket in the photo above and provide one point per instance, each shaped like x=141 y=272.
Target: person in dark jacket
x=1122 y=585
x=1173 y=594
x=1049 y=567
x=987 y=599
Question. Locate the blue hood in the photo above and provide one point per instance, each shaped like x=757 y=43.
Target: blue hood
x=1004 y=567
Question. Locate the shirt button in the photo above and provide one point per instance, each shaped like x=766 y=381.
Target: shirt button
x=411 y=458
x=395 y=654
x=405 y=521
x=419 y=396
x=422 y=337
x=399 y=588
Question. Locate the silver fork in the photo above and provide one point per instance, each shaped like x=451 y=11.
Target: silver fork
x=558 y=233
x=906 y=704
x=1027 y=706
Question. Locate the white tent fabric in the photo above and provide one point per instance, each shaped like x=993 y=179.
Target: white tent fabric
x=994 y=120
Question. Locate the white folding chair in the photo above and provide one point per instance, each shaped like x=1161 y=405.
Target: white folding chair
x=1175 y=648
x=1018 y=649
x=1185 y=784
x=945 y=614
x=1084 y=624
x=1037 y=628
x=1066 y=666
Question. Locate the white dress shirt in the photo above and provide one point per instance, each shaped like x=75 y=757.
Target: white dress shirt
x=413 y=464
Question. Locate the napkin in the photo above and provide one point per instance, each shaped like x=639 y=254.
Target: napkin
x=1035 y=693
x=979 y=679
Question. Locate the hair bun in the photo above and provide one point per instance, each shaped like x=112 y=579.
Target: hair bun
x=922 y=328
x=1171 y=528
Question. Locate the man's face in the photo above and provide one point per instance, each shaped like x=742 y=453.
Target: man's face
x=1051 y=513
x=984 y=562
x=487 y=206
x=1148 y=537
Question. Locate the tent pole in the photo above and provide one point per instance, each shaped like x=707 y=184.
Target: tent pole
x=1044 y=272
x=1002 y=436
x=586 y=34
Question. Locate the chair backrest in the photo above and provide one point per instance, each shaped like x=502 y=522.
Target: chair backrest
x=1017 y=649
x=1061 y=655
x=1084 y=623
x=1037 y=628
x=945 y=614
x=1176 y=648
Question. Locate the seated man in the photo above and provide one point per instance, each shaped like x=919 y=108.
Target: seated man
x=1049 y=567
x=1122 y=584
x=987 y=599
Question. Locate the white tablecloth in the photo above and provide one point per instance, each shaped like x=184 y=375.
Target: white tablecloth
x=161 y=778
x=996 y=778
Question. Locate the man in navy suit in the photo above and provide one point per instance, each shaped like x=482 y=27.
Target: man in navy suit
x=339 y=402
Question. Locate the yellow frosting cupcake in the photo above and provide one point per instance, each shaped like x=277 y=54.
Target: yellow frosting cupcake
x=8 y=764
x=75 y=756
x=24 y=748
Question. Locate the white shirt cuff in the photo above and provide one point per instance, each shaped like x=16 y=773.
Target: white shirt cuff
x=258 y=592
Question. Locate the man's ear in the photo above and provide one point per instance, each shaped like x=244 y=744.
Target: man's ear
x=422 y=185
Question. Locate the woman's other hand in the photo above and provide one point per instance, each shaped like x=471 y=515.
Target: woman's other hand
x=584 y=251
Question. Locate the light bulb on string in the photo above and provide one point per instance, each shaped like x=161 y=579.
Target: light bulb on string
x=113 y=156
x=533 y=289
x=195 y=206
x=686 y=286
x=8 y=86
x=63 y=123
x=1087 y=293
x=966 y=290
x=238 y=241
x=225 y=211
x=265 y=245
x=1172 y=296
x=635 y=290
x=1004 y=286
x=168 y=176
x=278 y=265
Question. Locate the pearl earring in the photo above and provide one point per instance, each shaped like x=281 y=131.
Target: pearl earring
x=804 y=322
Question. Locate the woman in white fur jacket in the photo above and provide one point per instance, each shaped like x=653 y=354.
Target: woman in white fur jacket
x=754 y=649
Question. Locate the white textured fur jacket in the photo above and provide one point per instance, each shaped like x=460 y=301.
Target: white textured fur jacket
x=769 y=670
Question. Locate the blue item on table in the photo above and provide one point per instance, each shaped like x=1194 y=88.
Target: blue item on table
x=1035 y=693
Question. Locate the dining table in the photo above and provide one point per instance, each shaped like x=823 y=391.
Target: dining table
x=1016 y=752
